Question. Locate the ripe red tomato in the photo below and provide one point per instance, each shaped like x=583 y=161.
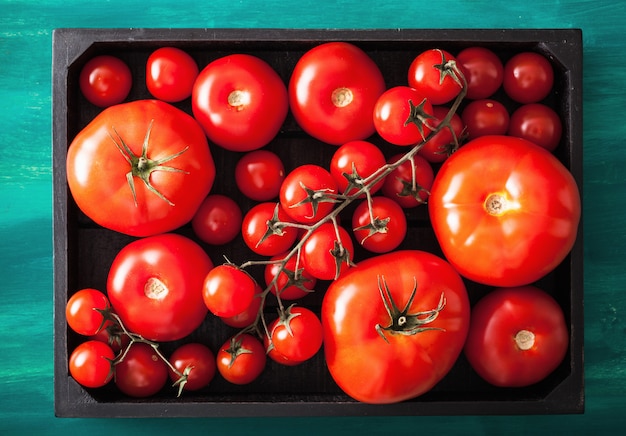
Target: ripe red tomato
x=142 y=373
x=155 y=286
x=276 y=356
x=240 y=101
x=399 y=184
x=249 y=314
x=327 y=252
x=261 y=232
x=505 y=211
x=442 y=144
x=90 y=364
x=387 y=229
x=394 y=325
x=296 y=334
x=517 y=336
x=483 y=71
x=170 y=74
x=140 y=168
x=196 y=361
x=228 y=290
x=332 y=89
x=290 y=284
x=218 y=220
x=435 y=75
x=528 y=77
x=105 y=80
x=83 y=311
x=307 y=193
x=259 y=174
x=241 y=359
x=538 y=123
x=354 y=162
x=485 y=117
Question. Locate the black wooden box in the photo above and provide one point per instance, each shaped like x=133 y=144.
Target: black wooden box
x=83 y=251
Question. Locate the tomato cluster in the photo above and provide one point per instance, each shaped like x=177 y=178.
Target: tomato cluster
x=464 y=142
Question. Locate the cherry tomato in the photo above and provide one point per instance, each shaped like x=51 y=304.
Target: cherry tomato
x=402 y=116
x=327 y=252
x=105 y=80
x=399 y=185
x=155 y=286
x=259 y=174
x=435 y=76
x=353 y=162
x=170 y=74
x=504 y=210
x=394 y=325
x=249 y=314
x=333 y=88
x=528 y=77
x=517 y=336
x=275 y=355
x=142 y=373
x=483 y=71
x=485 y=117
x=296 y=334
x=442 y=144
x=197 y=362
x=537 y=123
x=228 y=290
x=83 y=311
x=307 y=193
x=241 y=359
x=293 y=281
x=240 y=101
x=90 y=364
x=218 y=220
x=164 y=150
x=387 y=229
x=262 y=232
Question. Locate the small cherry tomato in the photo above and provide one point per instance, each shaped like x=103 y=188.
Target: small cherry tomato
x=195 y=361
x=170 y=74
x=266 y=230
x=327 y=252
x=528 y=77
x=228 y=290
x=249 y=314
x=259 y=174
x=409 y=184
x=485 y=117
x=293 y=281
x=442 y=144
x=90 y=364
x=483 y=71
x=307 y=193
x=296 y=334
x=537 y=123
x=353 y=162
x=218 y=220
x=241 y=359
x=435 y=75
x=380 y=226
x=105 y=80
x=83 y=311
x=142 y=373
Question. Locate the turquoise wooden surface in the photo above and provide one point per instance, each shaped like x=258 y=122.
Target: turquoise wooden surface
x=26 y=393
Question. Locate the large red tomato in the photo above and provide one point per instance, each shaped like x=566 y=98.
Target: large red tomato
x=155 y=286
x=394 y=325
x=140 y=168
x=505 y=211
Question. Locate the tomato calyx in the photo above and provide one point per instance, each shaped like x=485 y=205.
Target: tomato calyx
x=448 y=67
x=295 y=278
x=142 y=166
x=403 y=322
x=418 y=116
x=315 y=197
x=236 y=349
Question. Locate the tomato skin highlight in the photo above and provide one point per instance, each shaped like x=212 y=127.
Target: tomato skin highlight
x=529 y=236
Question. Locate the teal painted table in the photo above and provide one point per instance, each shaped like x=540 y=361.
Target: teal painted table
x=26 y=392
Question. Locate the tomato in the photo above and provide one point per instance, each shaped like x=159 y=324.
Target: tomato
x=293 y=281
x=228 y=290
x=394 y=325
x=91 y=363
x=259 y=174
x=155 y=286
x=353 y=162
x=504 y=210
x=241 y=359
x=517 y=336
x=196 y=362
x=296 y=334
x=240 y=101
x=485 y=117
x=140 y=168
x=327 y=252
x=83 y=311
x=402 y=116
x=105 y=80
x=307 y=193
x=399 y=184
x=142 y=372
x=218 y=220
x=332 y=90
x=538 y=123
x=442 y=144
x=483 y=71
x=528 y=77
x=248 y=316
x=435 y=75
x=170 y=74
x=380 y=226
x=275 y=355
x=266 y=230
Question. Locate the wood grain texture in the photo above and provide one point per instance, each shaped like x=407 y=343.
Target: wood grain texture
x=26 y=396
